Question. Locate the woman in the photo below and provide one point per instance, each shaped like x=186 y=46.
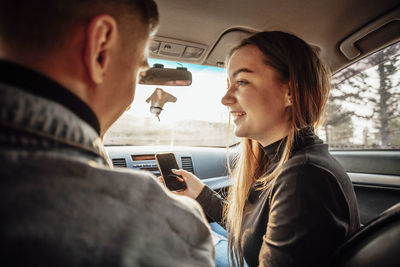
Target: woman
x=290 y=203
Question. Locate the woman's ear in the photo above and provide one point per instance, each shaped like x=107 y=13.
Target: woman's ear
x=101 y=37
x=288 y=96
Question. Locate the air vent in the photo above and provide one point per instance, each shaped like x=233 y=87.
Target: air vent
x=187 y=164
x=119 y=162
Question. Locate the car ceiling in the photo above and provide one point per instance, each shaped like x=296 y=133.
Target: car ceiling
x=322 y=23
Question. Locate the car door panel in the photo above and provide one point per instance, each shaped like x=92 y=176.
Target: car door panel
x=376 y=179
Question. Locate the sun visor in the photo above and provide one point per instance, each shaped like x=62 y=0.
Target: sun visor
x=224 y=45
x=382 y=31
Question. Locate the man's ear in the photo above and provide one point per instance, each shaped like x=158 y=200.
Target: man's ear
x=101 y=38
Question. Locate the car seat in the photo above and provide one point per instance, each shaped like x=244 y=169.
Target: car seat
x=375 y=245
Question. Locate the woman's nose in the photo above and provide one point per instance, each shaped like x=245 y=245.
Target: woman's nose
x=228 y=99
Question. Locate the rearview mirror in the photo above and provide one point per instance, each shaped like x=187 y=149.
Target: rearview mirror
x=158 y=75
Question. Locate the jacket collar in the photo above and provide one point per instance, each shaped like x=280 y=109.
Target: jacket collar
x=303 y=137
x=36 y=83
x=31 y=122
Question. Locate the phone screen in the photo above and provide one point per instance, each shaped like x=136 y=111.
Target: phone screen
x=166 y=162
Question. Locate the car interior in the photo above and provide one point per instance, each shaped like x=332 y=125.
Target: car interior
x=351 y=36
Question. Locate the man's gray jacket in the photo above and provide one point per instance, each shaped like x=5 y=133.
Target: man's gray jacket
x=62 y=204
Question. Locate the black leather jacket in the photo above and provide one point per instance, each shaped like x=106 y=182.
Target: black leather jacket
x=300 y=220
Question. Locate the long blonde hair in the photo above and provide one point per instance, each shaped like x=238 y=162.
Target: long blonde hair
x=297 y=64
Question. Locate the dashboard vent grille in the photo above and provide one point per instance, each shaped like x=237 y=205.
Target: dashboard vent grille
x=119 y=162
x=187 y=164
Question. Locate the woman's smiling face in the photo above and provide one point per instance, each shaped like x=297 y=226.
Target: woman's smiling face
x=256 y=97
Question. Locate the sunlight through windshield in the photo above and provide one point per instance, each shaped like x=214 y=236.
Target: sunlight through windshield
x=197 y=118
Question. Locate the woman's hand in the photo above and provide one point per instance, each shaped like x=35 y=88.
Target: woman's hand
x=193 y=184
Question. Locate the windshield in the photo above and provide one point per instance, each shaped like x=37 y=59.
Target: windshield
x=197 y=118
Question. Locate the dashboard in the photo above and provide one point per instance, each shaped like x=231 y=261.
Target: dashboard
x=374 y=174
x=210 y=163
x=207 y=163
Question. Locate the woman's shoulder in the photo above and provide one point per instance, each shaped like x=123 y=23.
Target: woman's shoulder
x=314 y=169
x=315 y=157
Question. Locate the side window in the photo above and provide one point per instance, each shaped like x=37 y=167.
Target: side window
x=363 y=110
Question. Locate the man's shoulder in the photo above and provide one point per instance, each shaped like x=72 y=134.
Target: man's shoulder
x=145 y=185
x=114 y=204
x=165 y=218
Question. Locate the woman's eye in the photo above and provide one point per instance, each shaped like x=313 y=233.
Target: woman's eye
x=241 y=82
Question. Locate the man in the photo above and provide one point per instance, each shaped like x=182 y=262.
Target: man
x=68 y=70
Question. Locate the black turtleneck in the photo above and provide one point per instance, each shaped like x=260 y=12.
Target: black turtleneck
x=303 y=215
x=36 y=83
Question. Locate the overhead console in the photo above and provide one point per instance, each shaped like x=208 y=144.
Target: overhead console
x=177 y=50
x=183 y=51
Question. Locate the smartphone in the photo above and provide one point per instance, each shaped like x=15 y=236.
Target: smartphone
x=166 y=162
